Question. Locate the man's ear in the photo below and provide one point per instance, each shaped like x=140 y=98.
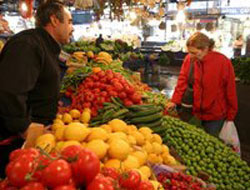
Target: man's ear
x=54 y=21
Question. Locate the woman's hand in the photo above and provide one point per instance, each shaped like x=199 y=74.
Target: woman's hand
x=170 y=105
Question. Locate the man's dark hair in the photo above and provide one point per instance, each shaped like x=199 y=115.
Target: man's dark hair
x=48 y=8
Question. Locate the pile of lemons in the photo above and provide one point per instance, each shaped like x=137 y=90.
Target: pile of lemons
x=117 y=144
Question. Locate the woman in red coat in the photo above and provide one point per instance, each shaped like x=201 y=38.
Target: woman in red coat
x=214 y=93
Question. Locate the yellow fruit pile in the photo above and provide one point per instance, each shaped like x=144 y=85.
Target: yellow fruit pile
x=117 y=144
x=103 y=58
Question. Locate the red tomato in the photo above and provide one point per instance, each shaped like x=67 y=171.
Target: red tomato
x=95 y=77
x=87 y=105
x=128 y=102
x=71 y=152
x=57 y=173
x=145 y=185
x=101 y=183
x=136 y=98
x=65 y=187
x=118 y=86
x=17 y=170
x=113 y=94
x=104 y=94
x=96 y=90
x=130 y=179
x=86 y=167
x=103 y=80
x=114 y=80
x=122 y=95
x=20 y=152
x=129 y=90
x=110 y=172
x=33 y=186
x=101 y=74
x=88 y=79
x=97 y=84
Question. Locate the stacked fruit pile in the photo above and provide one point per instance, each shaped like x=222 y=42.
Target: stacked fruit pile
x=205 y=153
x=30 y=169
x=99 y=88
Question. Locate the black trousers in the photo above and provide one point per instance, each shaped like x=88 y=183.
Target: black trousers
x=5 y=150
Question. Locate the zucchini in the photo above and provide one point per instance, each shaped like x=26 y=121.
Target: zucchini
x=107 y=115
x=146 y=112
x=141 y=107
x=120 y=112
x=146 y=119
x=153 y=124
x=116 y=102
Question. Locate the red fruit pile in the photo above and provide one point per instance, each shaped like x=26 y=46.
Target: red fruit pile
x=179 y=181
x=99 y=88
x=29 y=169
x=111 y=179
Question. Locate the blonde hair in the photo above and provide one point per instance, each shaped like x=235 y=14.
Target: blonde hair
x=200 y=41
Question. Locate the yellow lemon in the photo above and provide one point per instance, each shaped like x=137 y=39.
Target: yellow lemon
x=118 y=125
x=117 y=135
x=170 y=160
x=85 y=117
x=119 y=149
x=145 y=130
x=146 y=171
x=156 y=185
x=154 y=158
x=156 y=138
x=90 y=54
x=59 y=121
x=113 y=163
x=107 y=128
x=97 y=133
x=148 y=147
x=75 y=114
x=59 y=116
x=157 y=148
x=131 y=128
x=143 y=177
x=59 y=146
x=141 y=156
x=67 y=118
x=46 y=142
x=131 y=162
x=99 y=147
x=77 y=124
x=69 y=143
x=140 y=140
x=87 y=110
x=165 y=148
x=131 y=140
x=59 y=133
x=55 y=126
x=76 y=132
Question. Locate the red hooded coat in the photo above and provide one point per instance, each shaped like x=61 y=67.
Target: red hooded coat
x=214 y=87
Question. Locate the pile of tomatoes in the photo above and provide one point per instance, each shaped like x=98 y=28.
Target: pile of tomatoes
x=99 y=88
x=180 y=181
x=111 y=179
x=29 y=169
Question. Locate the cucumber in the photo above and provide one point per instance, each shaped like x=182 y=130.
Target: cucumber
x=141 y=107
x=153 y=124
x=159 y=130
x=116 y=102
x=146 y=119
x=107 y=115
x=146 y=112
x=120 y=112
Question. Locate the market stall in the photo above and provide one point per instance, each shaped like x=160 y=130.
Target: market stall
x=113 y=132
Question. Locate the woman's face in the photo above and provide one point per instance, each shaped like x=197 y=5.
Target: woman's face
x=197 y=53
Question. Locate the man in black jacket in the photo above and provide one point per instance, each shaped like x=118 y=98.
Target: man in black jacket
x=30 y=75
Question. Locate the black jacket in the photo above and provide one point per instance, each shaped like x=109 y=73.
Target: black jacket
x=29 y=81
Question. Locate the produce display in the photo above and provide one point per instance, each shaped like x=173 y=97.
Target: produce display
x=242 y=69
x=112 y=133
x=202 y=152
x=100 y=87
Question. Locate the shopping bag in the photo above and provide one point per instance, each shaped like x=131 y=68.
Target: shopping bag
x=230 y=136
